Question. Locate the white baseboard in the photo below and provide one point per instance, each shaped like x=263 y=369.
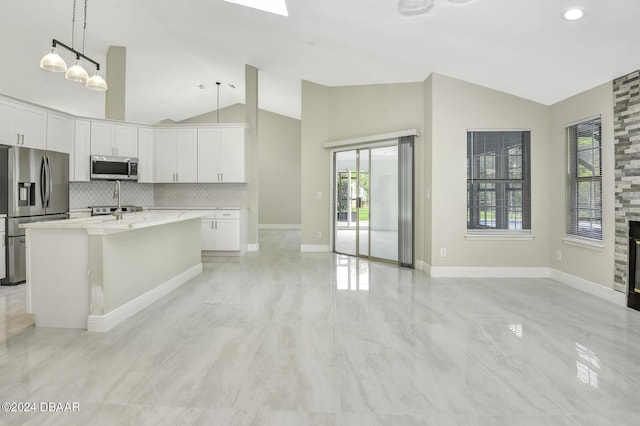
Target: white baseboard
x=253 y=247
x=315 y=248
x=488 y=272
x=279 y=226
x=590 y=287
x=103 y=323
x=421 y=265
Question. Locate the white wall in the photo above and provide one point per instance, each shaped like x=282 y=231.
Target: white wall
x=595 y=265
x=456 y=107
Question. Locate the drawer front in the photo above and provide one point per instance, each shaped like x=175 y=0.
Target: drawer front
x=227 y=214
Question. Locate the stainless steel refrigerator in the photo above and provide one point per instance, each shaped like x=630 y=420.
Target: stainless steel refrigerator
x=34 y=186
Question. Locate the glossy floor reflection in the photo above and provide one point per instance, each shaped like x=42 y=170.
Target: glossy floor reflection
x=281 y=337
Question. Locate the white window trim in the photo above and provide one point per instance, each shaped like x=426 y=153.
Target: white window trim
x=496 y=235
x=588 y=243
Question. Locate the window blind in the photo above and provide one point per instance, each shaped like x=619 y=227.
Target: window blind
x=498 y=180
x=584 y=179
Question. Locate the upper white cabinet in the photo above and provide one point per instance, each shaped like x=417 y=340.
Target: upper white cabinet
x=119 y=140
x=60 y=130
x=176 y=154
x=79 y=165
x=146 y=151
x=221 y=154
x=22 y=125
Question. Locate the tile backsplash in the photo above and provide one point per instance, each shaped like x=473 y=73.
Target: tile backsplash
x=200 y=195
x=100 y=193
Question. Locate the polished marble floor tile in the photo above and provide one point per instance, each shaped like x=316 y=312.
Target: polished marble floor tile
x=280 y=337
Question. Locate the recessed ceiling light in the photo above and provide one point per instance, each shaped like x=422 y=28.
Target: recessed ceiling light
x=279 y=7
x=573 y=14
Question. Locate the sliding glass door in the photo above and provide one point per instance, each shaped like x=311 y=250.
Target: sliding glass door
x=366 y=200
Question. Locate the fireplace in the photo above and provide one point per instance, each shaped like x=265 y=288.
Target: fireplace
x=633 y=300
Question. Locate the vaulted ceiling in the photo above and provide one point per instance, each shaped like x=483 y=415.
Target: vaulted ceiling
x=523 y=47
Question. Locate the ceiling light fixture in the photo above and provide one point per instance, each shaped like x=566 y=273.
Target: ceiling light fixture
x=279 y=7
x=573 y=14
x=414 y=7
x=420 y=7
x=53 y=62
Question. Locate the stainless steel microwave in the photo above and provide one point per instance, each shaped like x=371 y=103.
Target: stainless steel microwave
x=114 y=168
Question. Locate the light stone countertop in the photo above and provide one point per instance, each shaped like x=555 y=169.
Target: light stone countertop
x=195 y=208
x=2 y=216
x=107 y=224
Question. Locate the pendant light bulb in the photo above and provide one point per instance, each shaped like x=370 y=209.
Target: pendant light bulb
x=96 y=82
x=53 y=62
x=77 y=73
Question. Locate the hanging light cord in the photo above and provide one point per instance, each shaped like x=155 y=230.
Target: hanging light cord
x=84 y=29
x=73 y=25
x=218 y=107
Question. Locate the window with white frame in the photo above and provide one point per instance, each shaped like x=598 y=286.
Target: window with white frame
x=584 y=179
x=498 y=181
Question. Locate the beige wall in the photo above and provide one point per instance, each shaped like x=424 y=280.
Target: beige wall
x=315 y=163
x=456 y=107
x=595 y=265
x=424 y=180
x=343 y=112
x=279 y=163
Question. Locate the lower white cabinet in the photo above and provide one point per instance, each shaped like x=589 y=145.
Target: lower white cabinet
x=77 y=214
x=221 y=231
x=3 y=250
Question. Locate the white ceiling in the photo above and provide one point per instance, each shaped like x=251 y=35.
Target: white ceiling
x=523 y=47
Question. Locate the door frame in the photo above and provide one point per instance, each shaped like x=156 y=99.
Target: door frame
x=332 y=185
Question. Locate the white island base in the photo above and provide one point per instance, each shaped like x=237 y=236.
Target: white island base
x=93 y=274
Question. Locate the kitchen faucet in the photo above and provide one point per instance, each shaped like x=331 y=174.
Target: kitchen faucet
x=116 y=194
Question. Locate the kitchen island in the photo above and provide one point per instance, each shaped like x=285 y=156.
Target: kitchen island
x=93 y=273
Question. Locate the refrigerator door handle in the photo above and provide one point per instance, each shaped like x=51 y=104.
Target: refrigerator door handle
x=49 y=181
x=43 y=182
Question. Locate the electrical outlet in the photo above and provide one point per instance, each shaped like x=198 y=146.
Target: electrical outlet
x=559 y=255
x=319 y=194
x=319 y=234
x=443 y=252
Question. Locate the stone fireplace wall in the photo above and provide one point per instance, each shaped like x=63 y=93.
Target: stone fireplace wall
x=626 y=91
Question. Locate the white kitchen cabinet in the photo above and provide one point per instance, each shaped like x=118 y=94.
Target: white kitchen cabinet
x=3 y=250
x=112 y=139
x=176 y=154
x=221 y=231
x=221 y=155
x=21 y=125
x=145 y=155
x=77 y=214
x=79 y=163
x=60 y=132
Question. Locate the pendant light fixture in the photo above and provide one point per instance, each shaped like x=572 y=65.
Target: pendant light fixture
x=53 y=62
x=218 y=103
